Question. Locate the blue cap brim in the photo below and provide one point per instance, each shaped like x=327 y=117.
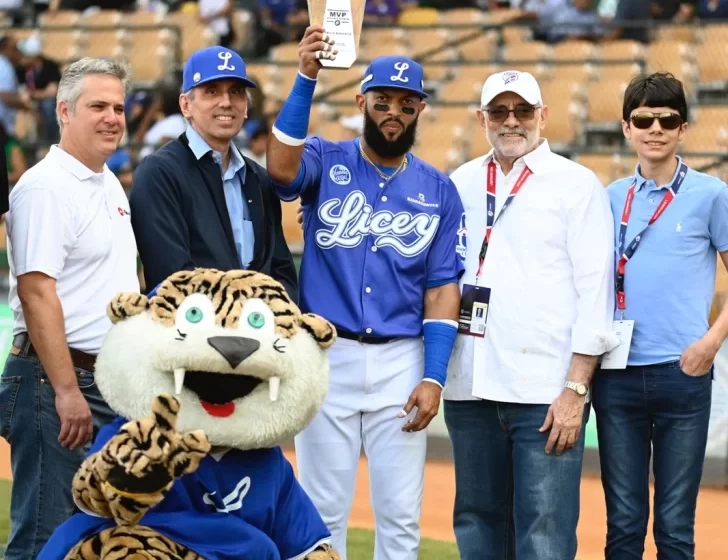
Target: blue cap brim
x=246 y=81
x=417 y=92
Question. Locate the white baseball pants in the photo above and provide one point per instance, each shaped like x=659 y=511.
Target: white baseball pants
x=369 y=386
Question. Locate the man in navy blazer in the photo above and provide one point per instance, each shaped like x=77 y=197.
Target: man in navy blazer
x=197 y=201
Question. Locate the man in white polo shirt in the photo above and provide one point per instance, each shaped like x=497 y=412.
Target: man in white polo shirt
x=536 y=313
x=71 y=248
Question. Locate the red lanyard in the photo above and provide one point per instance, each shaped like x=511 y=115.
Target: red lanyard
x=626 y=254
x=491 y=218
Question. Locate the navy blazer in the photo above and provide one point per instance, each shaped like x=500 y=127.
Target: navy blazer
x=180 y=217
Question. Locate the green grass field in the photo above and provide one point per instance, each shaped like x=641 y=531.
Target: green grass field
x=361 y=542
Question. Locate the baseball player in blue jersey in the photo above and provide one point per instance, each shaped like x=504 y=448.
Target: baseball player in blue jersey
x=384 y=240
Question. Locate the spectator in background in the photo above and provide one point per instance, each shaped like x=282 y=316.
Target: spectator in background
x=169 y=120
x=11 y=100
x=41 y=77
x=120 y=165
x=273 y=16
x=217 y=14
x=15 y=158
x=572 y=19
x=382 y=11
x=713 y=9
x=257 y=144
x=298 y=20
x=677 y=11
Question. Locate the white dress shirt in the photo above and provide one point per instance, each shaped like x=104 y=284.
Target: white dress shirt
x=550 y=269
x=73 y=225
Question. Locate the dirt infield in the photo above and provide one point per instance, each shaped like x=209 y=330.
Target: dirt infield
x=711 y=538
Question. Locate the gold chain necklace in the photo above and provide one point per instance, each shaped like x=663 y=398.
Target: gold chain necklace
x=401 y=167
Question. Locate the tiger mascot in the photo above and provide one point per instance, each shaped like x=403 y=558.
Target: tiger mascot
x=209 y=375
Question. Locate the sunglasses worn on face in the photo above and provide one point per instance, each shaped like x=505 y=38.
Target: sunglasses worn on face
x=501 y=113
x=668 y=121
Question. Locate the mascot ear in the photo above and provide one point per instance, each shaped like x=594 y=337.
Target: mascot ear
x=320 y=329
x=125 y=305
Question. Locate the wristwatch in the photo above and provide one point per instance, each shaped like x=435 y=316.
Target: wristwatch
x=579 y=388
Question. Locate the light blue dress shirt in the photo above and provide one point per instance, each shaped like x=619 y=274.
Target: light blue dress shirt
x=232 y=182
x=670 y=280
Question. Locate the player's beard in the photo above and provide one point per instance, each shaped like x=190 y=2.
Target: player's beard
x=384 y=148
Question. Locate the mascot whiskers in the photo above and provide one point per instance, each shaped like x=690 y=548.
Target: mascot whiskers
x=209 y=375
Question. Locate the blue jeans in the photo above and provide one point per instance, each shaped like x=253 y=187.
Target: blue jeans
x=638 y=410
x=42 y=469
x=512 y=500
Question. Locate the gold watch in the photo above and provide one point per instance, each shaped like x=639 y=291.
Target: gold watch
x=579 y=388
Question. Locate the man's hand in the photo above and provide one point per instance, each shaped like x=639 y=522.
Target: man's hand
x=426 y=397
x=315 y=45
x=564 y=419
x=75 y=416
x=299 y=215
x=699 y=356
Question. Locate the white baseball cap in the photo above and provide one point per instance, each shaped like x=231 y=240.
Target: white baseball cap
x=520 y=83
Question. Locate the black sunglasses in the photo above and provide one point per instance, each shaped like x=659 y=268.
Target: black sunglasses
x=668 y=121
x=501 y=113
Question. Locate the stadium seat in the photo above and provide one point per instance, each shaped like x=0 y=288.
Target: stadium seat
x=622 y=51
x=604 y=105
x=607 y=167
x=419 y=17
x=574 y=50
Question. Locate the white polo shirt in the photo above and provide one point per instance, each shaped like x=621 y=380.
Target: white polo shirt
x=550 y=269
x=73 y=225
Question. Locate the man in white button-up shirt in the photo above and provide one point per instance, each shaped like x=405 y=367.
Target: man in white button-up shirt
x=516 y=399
x=71 y=248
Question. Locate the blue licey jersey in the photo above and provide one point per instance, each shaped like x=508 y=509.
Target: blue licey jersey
x=242 y=504
x=372 y=246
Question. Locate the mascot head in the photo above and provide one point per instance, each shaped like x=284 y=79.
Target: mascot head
x=246 y=365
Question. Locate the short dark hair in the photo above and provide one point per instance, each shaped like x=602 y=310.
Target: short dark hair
x=660 y=89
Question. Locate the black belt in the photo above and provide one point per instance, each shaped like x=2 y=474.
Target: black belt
x=23 y=347
x=364 y=339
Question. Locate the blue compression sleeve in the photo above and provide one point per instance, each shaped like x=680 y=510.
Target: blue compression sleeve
x=291 y=126
x=439 y=337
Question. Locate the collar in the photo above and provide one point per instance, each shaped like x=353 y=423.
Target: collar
x=640 y=181
x=199 y=147
x=74 y=166
x=536 y=160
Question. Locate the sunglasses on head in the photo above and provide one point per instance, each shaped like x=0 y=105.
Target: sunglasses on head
x=668 y=121
x=501 y=113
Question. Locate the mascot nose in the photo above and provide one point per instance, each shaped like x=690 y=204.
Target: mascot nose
x=234 y=348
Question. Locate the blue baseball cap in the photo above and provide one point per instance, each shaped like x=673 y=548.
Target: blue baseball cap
x=214 y=63
x=394 y=72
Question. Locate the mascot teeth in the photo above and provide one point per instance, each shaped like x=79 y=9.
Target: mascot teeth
x=273 y=384
x=179 y=379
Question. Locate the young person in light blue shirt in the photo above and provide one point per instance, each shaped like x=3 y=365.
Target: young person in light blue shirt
x=660 y=403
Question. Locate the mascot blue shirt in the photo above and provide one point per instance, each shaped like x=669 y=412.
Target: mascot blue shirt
x=223 y=511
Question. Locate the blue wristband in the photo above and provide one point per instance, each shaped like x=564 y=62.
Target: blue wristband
x=439 y=338
x=291 y=125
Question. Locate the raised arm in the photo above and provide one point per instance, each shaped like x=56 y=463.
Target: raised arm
x=286 y=144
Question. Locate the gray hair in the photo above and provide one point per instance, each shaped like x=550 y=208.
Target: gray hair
x=70 y=87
